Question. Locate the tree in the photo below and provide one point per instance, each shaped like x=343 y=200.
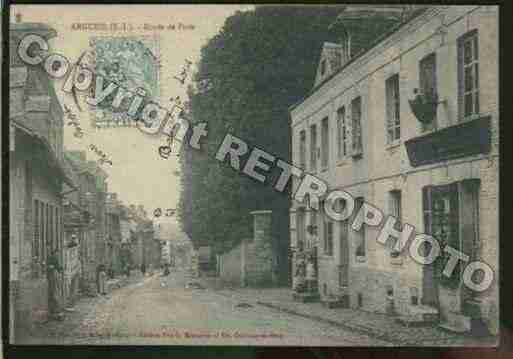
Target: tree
x=260 y=63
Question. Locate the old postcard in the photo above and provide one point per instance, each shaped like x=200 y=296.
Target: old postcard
x=254 y=175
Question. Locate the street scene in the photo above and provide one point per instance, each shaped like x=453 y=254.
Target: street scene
x=161 y=310
x=254 y=175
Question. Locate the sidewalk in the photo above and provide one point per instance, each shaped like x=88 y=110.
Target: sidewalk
x=50 y=332
x=376 y=325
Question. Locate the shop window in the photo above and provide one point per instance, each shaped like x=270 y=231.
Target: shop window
x=448 y=211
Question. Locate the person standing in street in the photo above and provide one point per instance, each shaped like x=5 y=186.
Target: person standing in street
x=54 y=271
x=143 y=269
x=102 y=279
x=310 y=275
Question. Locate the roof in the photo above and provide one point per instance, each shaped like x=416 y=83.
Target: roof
x=378 y=40
x=44 y=149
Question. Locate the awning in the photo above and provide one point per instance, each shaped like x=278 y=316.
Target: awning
x=42 y=148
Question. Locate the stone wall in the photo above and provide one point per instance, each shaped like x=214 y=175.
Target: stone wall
x=230 y=266
x=252 y=262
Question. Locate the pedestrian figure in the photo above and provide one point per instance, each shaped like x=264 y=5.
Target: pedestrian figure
x=310 y=275
x=166 y=270
x=299 y=275
x=102 y=280
x=54 y=271
x=143 y=269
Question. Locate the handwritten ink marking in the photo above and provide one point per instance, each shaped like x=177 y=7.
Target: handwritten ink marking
x=170 y=212
x=73 y=121
x=103 y=157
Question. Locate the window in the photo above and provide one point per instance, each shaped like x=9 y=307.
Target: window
x=302 y=149
x=313 y=148
x=328 y=238
x=356 y=114
x=468 y=75
x=360 y=300
x=359 y=235
x=393 y=109
x=325 y=140
x=341 y=133
x=414 y=296
x=448 y=211
x=390 y=291
x=396 y=211
x=323 y=67
x=427 y=81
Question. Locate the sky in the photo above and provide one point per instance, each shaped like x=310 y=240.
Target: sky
x=137 y=174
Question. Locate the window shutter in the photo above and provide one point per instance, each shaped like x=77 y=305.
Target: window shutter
x=429 y=283
x=426 y=205
x=344 y=248
x=469 y=216
x=389 y=110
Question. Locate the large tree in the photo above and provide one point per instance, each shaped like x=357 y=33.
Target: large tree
x=260 y=63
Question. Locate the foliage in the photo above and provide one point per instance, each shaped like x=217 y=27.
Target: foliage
x=259 y=64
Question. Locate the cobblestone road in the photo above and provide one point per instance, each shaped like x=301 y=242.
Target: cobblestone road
x=160 y=310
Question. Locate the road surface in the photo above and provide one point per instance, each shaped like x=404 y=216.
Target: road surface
x=161 y=310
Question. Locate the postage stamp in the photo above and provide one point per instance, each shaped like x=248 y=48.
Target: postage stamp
x=133 y=63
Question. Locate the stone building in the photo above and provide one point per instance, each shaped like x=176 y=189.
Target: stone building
x=405 y=120
x=36 y=177
x=90 y=197
x=127 y=226
x=78 y=224
x=113 y=226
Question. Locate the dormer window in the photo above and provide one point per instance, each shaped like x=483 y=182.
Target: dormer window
x=323 y=67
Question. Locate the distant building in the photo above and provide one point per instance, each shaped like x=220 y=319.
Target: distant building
x=90 y=197
x=113 y=226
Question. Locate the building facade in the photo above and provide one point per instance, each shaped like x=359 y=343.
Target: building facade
x=36 y=178
x=89 y=199
x=113 y=225
x=407 y=122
